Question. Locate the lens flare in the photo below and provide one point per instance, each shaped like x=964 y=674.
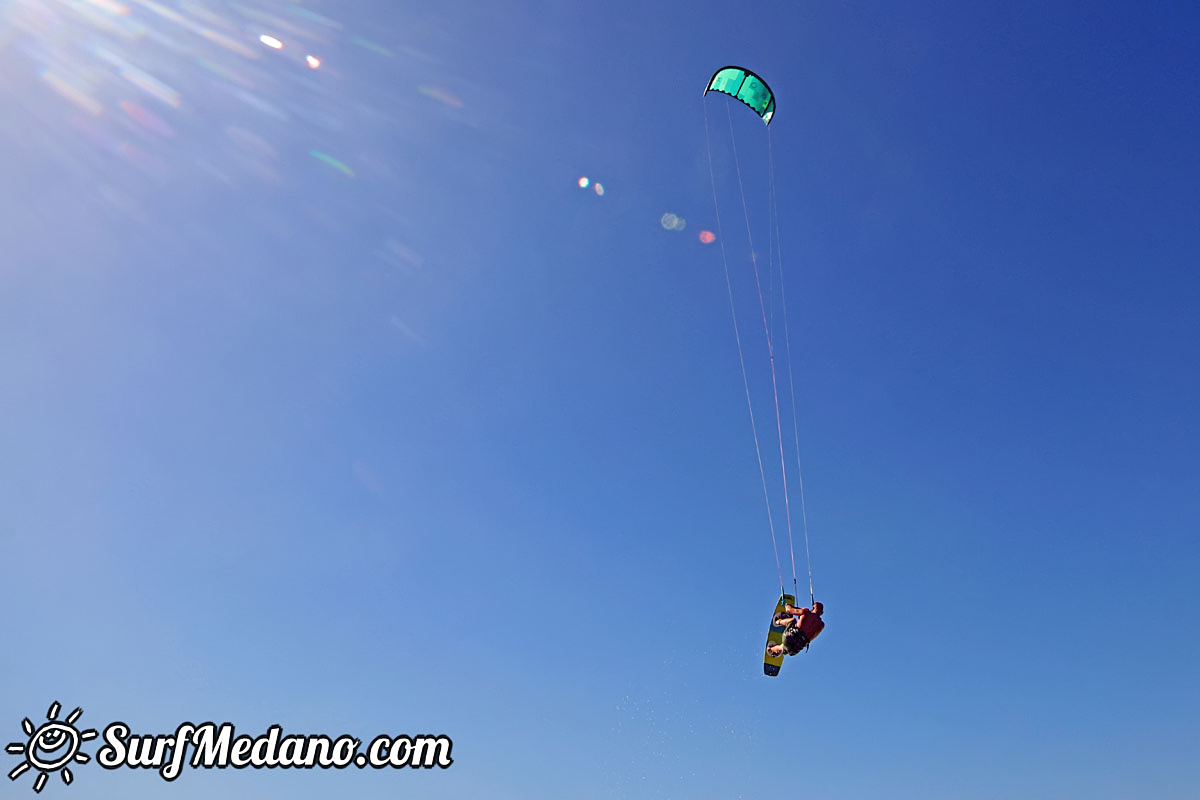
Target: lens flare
x=672 y=222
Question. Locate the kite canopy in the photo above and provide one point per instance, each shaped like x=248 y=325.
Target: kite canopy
x=745 y=86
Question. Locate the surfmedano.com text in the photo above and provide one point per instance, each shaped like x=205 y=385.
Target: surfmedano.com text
x=216 y=747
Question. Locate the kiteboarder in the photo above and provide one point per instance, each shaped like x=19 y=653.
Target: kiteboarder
x=801 y=626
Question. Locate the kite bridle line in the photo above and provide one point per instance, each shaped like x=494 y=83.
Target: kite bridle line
x=762 y=305
x=787 y=341
x=737 y=334
x=775 y=241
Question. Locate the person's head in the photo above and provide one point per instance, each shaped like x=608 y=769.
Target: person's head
x=819 y=608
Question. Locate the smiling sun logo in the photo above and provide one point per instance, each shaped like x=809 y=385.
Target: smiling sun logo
x=52 y=747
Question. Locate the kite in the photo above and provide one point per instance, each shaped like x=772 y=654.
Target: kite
x=744 y=85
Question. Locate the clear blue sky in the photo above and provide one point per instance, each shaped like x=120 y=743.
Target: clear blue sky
x=329 y=399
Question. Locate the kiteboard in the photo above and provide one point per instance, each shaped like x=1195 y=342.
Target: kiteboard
x=771 y=664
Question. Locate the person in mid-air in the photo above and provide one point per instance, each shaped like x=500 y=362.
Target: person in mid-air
x=801 y=626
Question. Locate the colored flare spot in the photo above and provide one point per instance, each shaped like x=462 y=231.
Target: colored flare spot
x=271 y=41
x=708 y=237
x=324 y=158
x=147 y=119
x=583 y=183
x=441 y=95
x=116 y=9
x=68 y=91
x=372 y=46
x=250 y=143
x=150 y=85
x=313 y=62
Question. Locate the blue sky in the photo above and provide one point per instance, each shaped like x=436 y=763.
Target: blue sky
x=329 y=399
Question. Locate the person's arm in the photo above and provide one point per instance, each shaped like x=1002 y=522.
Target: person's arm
x=795 y=612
